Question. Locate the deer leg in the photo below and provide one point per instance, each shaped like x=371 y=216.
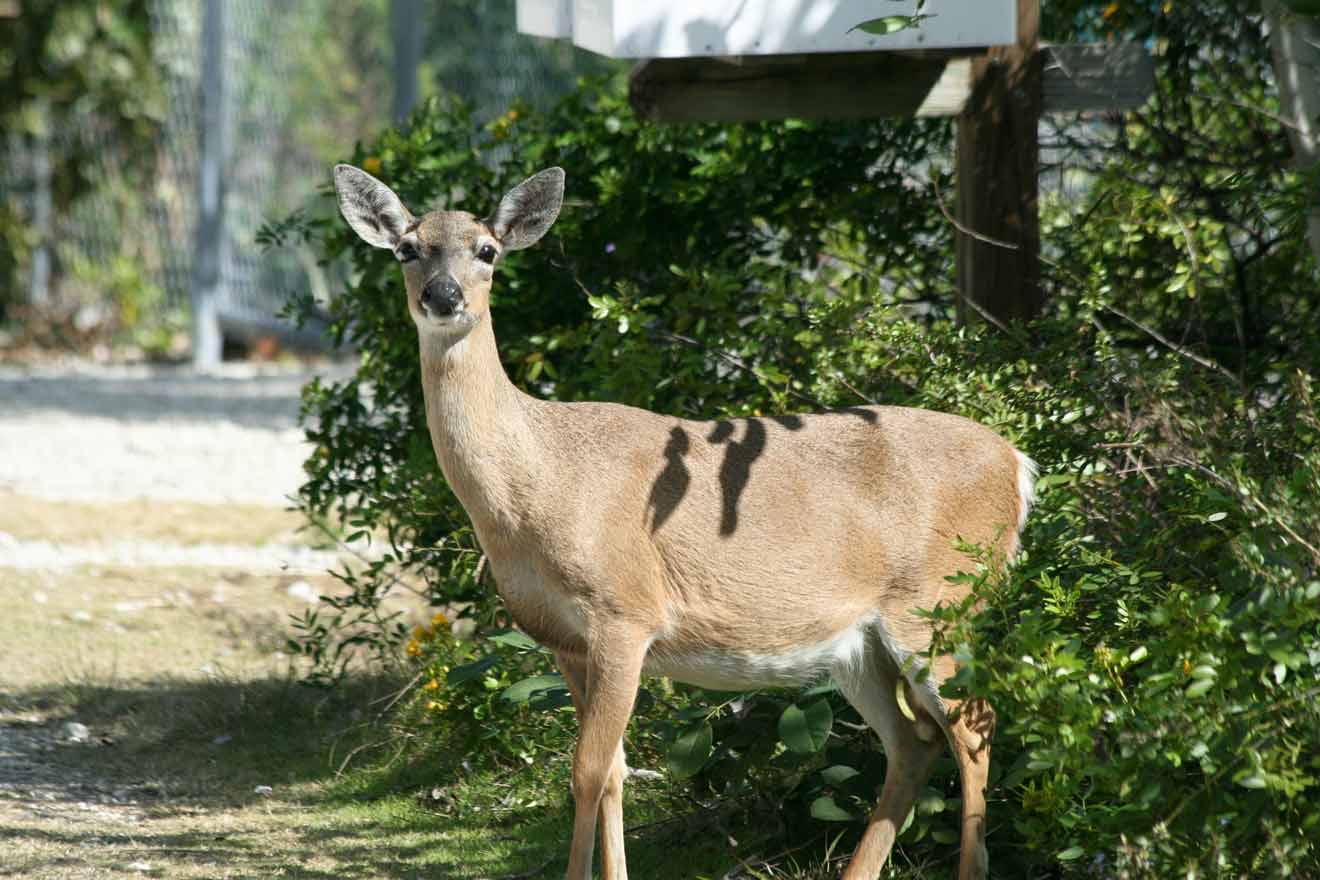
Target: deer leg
x=971 y=727
x=612 y=862
x=613 y=673
x=910 y=749
x=610 y=817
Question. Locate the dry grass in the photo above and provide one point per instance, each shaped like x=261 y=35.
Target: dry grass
x=173 y=521
x=123 y=625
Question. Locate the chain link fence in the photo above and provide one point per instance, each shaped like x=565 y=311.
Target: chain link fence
x=123 y=254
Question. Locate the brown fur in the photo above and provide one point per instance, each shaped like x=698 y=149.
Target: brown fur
x=623 y=539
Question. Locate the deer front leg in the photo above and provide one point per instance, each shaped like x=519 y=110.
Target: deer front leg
x=613 y=671
x=610 y=816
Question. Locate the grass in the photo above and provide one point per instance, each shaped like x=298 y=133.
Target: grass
x=178 y=522
x=207 y=758
x=199 y=813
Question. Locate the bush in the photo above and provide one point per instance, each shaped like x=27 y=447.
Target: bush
x=1154 y=654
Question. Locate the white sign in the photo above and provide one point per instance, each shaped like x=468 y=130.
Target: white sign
x=702 y=28
x=545 y=18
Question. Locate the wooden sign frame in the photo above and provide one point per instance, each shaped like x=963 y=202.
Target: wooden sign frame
x=997 y=96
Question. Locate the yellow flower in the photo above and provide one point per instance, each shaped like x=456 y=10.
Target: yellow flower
x=438 y=621
x=431 y=685
x=433 y=705
x=413 y=649
x=371 y=165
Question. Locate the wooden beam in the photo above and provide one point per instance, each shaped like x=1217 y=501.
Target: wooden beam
x=998 y=234
x=849 y=85
x=1094 y=76
x=865 y=85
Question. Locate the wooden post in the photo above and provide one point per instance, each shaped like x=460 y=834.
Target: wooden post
x=998 y=159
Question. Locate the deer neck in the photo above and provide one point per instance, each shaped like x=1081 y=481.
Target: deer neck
x=479 y=426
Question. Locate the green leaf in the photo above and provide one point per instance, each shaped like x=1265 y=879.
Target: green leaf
x=888 y=24
x=900 y=697
x=907 y=823
x=522 y=691
x=931 y=802
x=691 y=751
x=830 y=686
x=1072 y=852
x=825 y=809
x=805 y=732
x=471 y=671
x=550 y=699
x=1199 y=687
x=511 y=638
x=838 y=774
x=1216 y=517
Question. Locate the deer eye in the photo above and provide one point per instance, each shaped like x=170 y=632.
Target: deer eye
x=407 y=252
x=487 y=253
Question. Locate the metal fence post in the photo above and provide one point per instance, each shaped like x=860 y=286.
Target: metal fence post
x=212 y=237
x=406 y=30
x=39 y=282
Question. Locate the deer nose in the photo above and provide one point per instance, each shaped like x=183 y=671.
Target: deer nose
x=441 y=296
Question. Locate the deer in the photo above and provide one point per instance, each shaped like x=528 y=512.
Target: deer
x=733 y=554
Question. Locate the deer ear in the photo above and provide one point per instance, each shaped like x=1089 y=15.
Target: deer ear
x=528 y=210
x=370 y=207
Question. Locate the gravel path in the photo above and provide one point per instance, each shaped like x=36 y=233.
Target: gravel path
x=51 y=556
x=96 y=433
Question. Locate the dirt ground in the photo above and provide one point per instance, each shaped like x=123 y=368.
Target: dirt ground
x=124 y=694
x=151 y=723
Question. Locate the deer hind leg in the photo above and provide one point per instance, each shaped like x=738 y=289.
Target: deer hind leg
x=970 y=728
x=613 y=672
x=910 y=749
x=610 y=816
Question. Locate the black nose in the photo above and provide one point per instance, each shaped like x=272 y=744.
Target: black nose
x=441 y=296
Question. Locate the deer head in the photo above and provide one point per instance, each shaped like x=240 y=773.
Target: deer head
x=448 y=257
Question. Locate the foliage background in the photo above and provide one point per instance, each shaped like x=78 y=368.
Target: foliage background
x=1153 y=655
x=100 y=107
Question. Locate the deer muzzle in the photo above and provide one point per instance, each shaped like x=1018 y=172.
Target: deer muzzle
x=441 y=297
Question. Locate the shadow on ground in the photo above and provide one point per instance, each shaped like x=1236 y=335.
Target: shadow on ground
x=264 y=402
x=168 y=779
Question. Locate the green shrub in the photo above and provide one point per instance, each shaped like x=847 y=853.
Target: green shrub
x=1155 y=652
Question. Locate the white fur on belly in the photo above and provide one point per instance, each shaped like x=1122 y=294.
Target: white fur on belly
x=742 y=670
